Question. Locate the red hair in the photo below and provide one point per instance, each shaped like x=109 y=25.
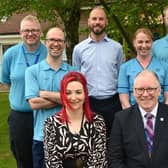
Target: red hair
x=74 y=76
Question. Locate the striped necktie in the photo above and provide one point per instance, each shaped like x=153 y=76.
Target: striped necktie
x=149 y=132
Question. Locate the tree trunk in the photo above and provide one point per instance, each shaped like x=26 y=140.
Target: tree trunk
x=71 y=19
x=120 y=27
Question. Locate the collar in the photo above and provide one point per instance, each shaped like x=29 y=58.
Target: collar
x=46 y=66
x=37 y=51
x=105 y=38
x=153 y=112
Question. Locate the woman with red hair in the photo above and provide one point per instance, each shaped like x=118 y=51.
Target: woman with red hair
x=75 y=137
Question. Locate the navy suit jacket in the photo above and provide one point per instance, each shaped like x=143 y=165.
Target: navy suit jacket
x=127 y=144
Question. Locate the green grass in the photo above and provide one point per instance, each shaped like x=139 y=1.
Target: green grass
x=6 y=157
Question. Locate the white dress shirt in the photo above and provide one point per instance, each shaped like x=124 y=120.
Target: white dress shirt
x=153 y=112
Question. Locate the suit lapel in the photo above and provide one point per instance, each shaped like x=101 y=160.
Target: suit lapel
x=161 y=120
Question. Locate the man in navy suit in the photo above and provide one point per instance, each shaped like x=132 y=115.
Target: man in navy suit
x=128 y=145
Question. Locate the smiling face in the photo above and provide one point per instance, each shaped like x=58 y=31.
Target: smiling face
x=75 y=96
x=55 y=42
x=97 y=21
x=30 y=33
x=147 y=99
x=143 y=44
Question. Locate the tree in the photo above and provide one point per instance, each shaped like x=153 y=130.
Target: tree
x=68 y=11
x=126 y=16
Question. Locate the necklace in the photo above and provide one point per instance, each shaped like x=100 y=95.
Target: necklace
x=78 y=162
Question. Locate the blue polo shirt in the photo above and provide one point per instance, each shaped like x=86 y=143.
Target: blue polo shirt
x=160 y=49
x=131 y=68
x=42 y=77
x=13 y=73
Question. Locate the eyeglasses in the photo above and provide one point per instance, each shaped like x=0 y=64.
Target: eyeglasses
x=27 y=31
x=53 y=40
x=141 y=91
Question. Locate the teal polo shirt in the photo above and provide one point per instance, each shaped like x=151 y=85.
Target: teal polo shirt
x=13 y=73
x=42 y=77
x=160 y=49
x=131 y=68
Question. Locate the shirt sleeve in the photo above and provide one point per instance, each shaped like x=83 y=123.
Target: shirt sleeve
x=53 y=156
x=120 y=57
x=31 y=83
x=123 y=81
x=6 y=64
x=165 y=83
x=153 y=50
x=76 y=61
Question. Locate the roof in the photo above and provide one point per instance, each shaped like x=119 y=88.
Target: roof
x=12 y=25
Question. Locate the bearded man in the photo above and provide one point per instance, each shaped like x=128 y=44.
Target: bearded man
x=99 y=59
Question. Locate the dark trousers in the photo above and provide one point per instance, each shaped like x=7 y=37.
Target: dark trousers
x=107 y=108
x=21 y=135
x=38 y=154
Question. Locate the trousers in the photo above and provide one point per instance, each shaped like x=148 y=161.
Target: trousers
x=107 y=108
x=20 y=137
x=38 y=154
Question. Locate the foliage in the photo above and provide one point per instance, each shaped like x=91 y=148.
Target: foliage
x=125 y=16
x=66 y=11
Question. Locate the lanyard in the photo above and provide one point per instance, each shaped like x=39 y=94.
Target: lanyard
x=26 y=59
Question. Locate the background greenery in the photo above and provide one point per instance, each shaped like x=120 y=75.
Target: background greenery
x=125 y=16
x=6 y=157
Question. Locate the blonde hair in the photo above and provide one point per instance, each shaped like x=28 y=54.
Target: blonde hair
x=145 y=31
x=30 y=18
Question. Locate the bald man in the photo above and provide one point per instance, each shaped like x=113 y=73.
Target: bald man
x=43 y=86
x=139 y=135
x=99 y=59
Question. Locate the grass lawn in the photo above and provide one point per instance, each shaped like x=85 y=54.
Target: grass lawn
x=6 y=158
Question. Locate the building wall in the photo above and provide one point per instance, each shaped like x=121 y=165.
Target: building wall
x=7 y=41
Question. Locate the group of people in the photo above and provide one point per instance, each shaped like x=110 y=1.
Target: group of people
x=91 y=114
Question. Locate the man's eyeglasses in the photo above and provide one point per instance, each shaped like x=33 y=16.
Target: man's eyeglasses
x=53 y=40
x=141 y=91
x=27 y=31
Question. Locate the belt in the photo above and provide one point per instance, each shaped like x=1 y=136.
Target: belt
x=114 y=97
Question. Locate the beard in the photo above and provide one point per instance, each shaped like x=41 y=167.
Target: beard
x=98 y=30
